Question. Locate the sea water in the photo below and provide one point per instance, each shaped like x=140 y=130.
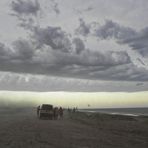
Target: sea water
x=121 y=111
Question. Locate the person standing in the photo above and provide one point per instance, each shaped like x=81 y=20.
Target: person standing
x=55 y=111
x=61 y=112
x=38 y=110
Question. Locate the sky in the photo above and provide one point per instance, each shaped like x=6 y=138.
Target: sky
x=70 y=99
x=75 y=46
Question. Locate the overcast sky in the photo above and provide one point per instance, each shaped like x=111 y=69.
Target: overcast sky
x=74 y=45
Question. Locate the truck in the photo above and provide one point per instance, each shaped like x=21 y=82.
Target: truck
x=46 y=110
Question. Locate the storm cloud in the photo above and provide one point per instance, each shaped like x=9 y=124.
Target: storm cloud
x=23 y=49
x=83 y=29
x=137 y=40
x=86 y=65
x=5 y=52
x=55 y=59
x=113 y=30
x=54 y=37
x=52 y=41
x=79 y=45
x=25 y=7
x=43 y=83
x=55 y=7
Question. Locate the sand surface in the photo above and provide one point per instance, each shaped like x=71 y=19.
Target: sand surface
x=20 y=128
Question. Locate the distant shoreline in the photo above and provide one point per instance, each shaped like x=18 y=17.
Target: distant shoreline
x=119 y=111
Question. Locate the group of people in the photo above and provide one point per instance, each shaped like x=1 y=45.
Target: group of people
x=73 y=110
x=57 y=113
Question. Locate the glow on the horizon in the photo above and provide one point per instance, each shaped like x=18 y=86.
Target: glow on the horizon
x=79 y=99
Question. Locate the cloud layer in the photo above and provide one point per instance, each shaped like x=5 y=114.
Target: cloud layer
x=41 y=83
x=50 y=48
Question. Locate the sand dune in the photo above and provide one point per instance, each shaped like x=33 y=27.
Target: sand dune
x=20 y=128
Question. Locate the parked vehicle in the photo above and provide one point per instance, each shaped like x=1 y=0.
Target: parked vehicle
x=46 y=110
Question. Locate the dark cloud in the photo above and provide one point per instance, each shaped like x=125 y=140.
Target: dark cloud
x=139 y=42
x=128 y=72
x=83 y=29
x=17 y=58
x=91 y=59
x=4 y=51
x=46 y=60
x=113 y=30
x=125 y=35
x=97 y=58
x=25 y=7
x=51 y=51
x=79 y=45
x=69 y=53
x=55 y=7
x=54 y=37
x=138 y=59
x=27 y=24
x=23 y=49
x=28 y=82
x=26 y=11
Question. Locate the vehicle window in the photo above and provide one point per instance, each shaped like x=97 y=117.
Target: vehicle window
x=47 y=107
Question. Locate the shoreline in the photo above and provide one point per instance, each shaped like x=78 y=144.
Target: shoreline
x=113 y=112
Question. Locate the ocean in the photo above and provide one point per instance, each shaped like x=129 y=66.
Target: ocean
x=121 y=111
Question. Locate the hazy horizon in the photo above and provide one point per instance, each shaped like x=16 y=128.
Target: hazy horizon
x=76 y=99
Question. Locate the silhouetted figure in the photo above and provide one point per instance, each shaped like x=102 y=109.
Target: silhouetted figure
x=69 y=110
x=55 y=113
x=74 y=110
x=38 y=110
x=61 y=112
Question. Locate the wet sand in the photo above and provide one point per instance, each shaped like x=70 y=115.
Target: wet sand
x=20 y=128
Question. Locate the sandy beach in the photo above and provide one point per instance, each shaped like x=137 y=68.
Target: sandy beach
x=20 y=128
